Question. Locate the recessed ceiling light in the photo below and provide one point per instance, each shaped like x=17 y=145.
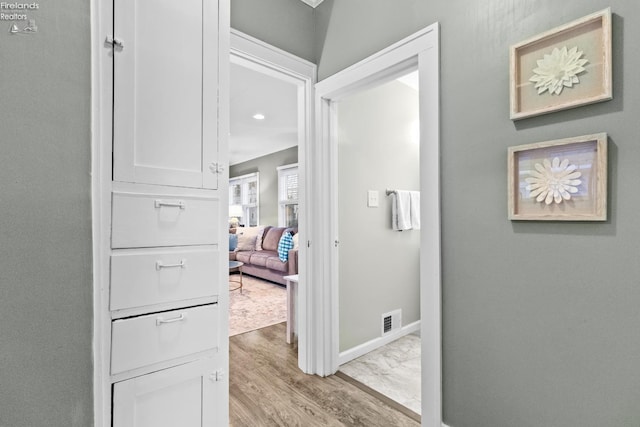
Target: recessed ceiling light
x=258 y=116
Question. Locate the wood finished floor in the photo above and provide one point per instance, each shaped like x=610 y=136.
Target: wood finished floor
x=267 y=389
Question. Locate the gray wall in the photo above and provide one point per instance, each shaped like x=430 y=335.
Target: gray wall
x=267 y=165
x=379 y=267
x=45 y=228
x=348 y=31
x=287 y=24
x=541 y=320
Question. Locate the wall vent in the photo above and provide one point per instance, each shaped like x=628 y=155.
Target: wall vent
x=391 y=321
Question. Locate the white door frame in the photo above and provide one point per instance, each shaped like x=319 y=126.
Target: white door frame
x=419 y=51
x=264 y=58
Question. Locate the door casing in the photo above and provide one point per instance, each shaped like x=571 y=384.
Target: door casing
x=259 y=56
x=419 y=51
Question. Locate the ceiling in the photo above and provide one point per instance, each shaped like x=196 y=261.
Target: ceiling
x=253 y=92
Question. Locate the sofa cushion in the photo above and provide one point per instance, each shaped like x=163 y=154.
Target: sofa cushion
x=244 y=256
x=260 y=258
x=274 y=263
x=272 y=238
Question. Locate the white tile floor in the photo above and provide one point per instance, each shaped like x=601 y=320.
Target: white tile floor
x=393 y=370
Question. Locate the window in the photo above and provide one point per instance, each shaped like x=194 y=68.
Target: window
x=288 y=195
x=244 y=196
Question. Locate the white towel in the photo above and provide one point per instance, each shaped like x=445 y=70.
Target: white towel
x=401 y=210
x=415 y=209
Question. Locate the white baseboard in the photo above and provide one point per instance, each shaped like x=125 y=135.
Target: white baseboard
x=362 y=349
x=444 y=425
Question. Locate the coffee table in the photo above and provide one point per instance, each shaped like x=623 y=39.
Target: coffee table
x=235 y=266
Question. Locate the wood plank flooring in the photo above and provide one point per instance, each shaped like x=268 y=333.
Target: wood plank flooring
x=268 y=389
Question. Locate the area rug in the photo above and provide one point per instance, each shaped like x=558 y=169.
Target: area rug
x=260 y=304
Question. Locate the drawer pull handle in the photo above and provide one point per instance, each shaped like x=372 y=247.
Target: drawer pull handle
x=181 y=264
x=160 y=320
x=179 y=204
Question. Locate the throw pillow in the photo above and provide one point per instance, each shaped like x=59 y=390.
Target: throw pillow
x=259 y=237
x=233 y=242
x=285 y=244
x=295 y=241
x=249 y=239
x=246 y=242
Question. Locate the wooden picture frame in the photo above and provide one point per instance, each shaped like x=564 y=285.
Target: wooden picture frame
x=560 y=180
x=582 y=48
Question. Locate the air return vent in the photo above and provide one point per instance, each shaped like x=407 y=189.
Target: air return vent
x=391 y=321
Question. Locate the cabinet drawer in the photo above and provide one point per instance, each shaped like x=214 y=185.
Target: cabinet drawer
x=145 y=277
x=148 y=220
x=144 y=340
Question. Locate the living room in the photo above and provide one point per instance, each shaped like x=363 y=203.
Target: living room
x=263 y=195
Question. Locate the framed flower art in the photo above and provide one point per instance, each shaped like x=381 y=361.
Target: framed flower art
x=566 y=67
x=560 y=180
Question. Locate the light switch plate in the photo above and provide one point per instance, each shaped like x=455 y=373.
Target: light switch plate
x=373 y=198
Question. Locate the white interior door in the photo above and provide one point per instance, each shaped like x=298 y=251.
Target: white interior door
x=165 y=96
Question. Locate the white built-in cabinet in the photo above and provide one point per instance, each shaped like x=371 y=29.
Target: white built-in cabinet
x=165 y=92
x=166 y=306
x=170 y=398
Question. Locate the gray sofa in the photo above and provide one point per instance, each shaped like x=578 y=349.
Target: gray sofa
x=263 y=261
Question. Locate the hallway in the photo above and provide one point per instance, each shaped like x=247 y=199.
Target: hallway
x=268 y=389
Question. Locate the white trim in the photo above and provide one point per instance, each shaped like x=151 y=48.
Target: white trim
x=224 y=42
x=286 y=170
x=246 y=175
x=245 y=46
x=369 y=346
x=289 y=166
x=260 y=56
x=364 y=74
x=243 y=181
x=444 y=425
x=101 y=119
x=312 y=3
x=418 y=51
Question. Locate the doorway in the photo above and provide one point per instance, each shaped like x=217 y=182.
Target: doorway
x=419 y=51
x=255 y=56
x=378 y=151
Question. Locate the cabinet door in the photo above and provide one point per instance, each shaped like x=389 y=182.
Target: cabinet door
x=165 y=92
x=185 y=396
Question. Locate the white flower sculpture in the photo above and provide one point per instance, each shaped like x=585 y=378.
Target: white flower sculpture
x=558 y=70
x=553 y=181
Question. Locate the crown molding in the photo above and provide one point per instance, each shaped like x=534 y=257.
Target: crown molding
x=312 y=3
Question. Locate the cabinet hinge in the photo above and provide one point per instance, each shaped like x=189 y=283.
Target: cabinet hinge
x=114 y=42
x=217 y=376
x=216 y=168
